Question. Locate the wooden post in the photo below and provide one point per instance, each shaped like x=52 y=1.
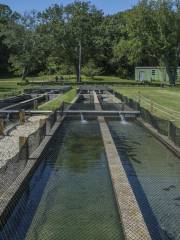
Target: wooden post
x=139 y=97
x=152 y=106
x=91 y=99
x=22 y=141
x=42 y=122
x=171 y=133
x=123 y=106
x=47 y=97
x=35 y=104
x=22 y=117
x=62 y=108
x=2 y=127
x=55 y=115
x=23 y=147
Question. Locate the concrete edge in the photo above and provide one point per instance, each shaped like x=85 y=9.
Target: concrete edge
x=162 y=138
x=134 y=226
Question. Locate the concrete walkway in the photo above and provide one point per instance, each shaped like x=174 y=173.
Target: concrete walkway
x=131 y=217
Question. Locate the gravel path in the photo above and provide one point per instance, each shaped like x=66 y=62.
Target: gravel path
x=9 y=145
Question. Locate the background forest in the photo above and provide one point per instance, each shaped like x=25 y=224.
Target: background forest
x=81 y=38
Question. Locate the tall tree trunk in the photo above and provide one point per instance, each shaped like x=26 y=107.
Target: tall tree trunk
x=24 y=73
x=78 y=77
x=79 y=64
x=172 y=74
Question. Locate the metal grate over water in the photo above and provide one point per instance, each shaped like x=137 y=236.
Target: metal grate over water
x=70 y=196
x=154 y=174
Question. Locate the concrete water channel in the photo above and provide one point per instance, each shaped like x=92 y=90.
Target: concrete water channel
x=72 y=193
x=29 y=100
x=153 y=172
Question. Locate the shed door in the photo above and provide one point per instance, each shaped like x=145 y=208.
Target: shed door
x=141 y=76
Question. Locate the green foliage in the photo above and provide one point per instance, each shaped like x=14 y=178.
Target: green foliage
x=152 y=36
x=122 y=72
x=52 y=65
x=91 y=70
x=61 y=39
x=65 y=69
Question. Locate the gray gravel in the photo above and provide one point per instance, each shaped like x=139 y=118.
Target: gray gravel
x=9 y=145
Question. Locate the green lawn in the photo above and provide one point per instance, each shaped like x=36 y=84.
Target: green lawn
x=55 y=103
x=165 y=102
x=72 y=79
x=11 y=87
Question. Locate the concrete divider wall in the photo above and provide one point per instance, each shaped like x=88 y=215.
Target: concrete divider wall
x=133 y=223
x=13 y=167
x=52 y=119
x=35 y=139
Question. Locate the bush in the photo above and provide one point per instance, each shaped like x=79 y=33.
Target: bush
x=91 y=70
x=24 y=82
x=65 y=69
x=122 y=72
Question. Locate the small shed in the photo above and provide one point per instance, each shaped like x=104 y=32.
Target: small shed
x=153 y=74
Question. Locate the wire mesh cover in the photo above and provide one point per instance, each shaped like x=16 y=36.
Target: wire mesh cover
x=35 y=139
x=174 y=134
x=14 y=166
x=153 y=172
x=70 y=196
x=161 y=125
x=12 y=169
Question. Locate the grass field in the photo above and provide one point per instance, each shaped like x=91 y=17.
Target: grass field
x=11 y=87
x=162 y=102
x=55 y=103
x=165 y=102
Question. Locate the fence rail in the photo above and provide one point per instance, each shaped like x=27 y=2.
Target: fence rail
x=163 y=126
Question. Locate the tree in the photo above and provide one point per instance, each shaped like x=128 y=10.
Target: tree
x=168 y=41
x=91 y=70
x=64 y=38
x=73 y=28
x=7 y=18
x=28 y=44
x=111 y=31
x=137 y=44
x=152 y=36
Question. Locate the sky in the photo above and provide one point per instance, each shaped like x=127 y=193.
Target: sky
x=108 y=6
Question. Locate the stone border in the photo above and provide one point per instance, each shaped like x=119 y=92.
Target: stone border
x=133 y=223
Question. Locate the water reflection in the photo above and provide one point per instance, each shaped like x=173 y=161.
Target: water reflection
x=70 y=196
x=153 y=172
